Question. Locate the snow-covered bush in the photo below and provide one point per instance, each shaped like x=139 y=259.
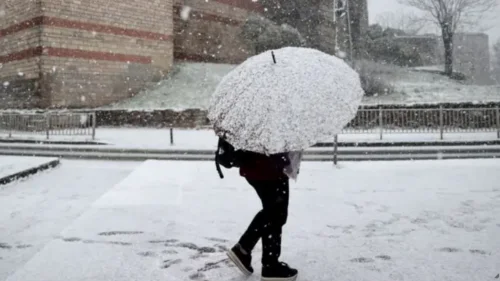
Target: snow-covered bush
x=372 y=79
x=383 y=45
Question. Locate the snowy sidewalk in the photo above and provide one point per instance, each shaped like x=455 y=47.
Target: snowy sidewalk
x=15 y=167
x=435 y=220
x=36 y=209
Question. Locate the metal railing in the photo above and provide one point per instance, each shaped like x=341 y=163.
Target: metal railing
x=367 y=121
x=440 y=120
x=48 y=124
x=410 y=121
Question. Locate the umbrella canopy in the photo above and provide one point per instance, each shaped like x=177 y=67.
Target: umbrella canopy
x=288 y=104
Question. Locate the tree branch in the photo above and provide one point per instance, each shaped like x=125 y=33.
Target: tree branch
x=455 y=13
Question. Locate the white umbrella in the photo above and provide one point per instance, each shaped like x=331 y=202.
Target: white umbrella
x=285 y=100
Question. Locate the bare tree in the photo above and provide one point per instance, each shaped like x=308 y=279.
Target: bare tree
x=410 y=23
x=449 y=15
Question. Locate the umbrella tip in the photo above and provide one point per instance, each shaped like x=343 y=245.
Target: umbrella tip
x=274 y=58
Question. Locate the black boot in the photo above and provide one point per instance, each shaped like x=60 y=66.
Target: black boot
x=279 y=272
x=242 y=260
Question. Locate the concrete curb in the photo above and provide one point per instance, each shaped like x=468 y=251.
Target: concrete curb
x=104 y=145
x=30 y=149
x=29 y=172
x=54 y=142
x=347 y=154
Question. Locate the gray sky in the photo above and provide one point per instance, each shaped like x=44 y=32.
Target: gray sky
x=376 y=7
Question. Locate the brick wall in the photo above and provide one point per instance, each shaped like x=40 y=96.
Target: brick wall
x=84 y=53
x=151 y=16
x=79 y=82
x=16 y=11
x=211 y=33
x=19 y=70
x=98 y=52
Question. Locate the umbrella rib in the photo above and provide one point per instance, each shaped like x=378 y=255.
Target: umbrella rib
x=269 y=108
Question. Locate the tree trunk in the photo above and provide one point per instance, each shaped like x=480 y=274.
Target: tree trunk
x=448 y=49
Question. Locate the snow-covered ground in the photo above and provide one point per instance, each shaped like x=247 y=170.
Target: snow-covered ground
x=192 y=84
x=439 y=67
x=434 y=220
x=36 y=209
x=148 y=138
x=10 y=165
x=419 y=87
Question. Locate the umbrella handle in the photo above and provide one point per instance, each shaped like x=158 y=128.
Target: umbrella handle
x=217 y=165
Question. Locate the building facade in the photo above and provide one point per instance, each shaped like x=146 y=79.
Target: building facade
x=69 y=53
x=82 y=54
x=471 y=56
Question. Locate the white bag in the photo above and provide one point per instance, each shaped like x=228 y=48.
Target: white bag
x=292 y=170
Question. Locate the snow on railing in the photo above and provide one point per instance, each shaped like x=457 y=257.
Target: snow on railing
x=47 y=124
x=440 y=120
x=367 y=121
x=408 y=121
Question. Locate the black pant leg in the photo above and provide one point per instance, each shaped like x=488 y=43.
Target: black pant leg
x=268 y=223
x=277 y=210
x=254 y=231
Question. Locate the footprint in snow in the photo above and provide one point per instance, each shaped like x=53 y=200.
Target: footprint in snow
x=147 y=254
x=449 y=250
x=362 y=260
x=114 y=233
x=479 y=252
x=384 y=257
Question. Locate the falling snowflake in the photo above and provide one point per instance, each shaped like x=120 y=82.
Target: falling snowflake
x=82 y=98
x=440 y=155
x=6 y=84
x=341 y=54
x=185 y=12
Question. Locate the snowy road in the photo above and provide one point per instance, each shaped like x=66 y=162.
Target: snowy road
x=434 y=220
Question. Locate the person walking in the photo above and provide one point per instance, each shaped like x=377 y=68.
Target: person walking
x=267 y=175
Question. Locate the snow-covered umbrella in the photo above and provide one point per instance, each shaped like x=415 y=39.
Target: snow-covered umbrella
x=285 y=100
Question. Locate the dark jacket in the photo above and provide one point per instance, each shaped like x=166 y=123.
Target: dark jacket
x=262 y=167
